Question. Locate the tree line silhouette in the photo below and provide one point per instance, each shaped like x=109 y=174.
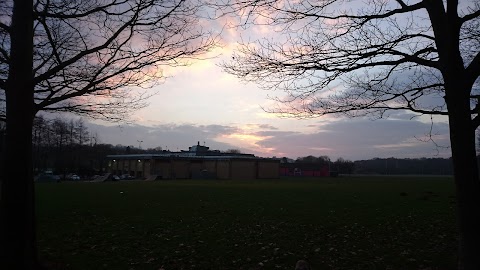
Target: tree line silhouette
x=381 y=166
x=67 y=146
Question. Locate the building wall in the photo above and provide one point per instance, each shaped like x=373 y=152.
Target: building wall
x=209 y=170
x=210 y=165
x=112 y=166
x=197 y=168
x=243 y=169
x=147 y=170
x=223 y=169
x=268 y=169
x=180 y=169
x=161 y=168
x=133 y=167
x=139 y=169
x=122 y=166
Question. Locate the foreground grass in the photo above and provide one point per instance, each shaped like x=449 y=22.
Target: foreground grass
x=342 y=223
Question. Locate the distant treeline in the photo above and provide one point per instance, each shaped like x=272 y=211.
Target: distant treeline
x=341 y=166
x=67 y=146
x=396 y=166
x=390 y=166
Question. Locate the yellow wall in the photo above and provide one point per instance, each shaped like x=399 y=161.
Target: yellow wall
x=147 y=171
x=180 y=169
x=184 y=168
x=268 y=169
x=133 y=166
x=162 y=168
x=243 y=169
x=210 y=165
x=125 y=167
x=195 y=167
x=223 y=169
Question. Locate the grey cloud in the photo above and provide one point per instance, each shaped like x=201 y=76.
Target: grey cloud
x=274 y=133
x=219 y=129
x=363 y=139
x=401 y=115
x=171 y=136
x=348 y=138
x=262 y=126
x=267 y=126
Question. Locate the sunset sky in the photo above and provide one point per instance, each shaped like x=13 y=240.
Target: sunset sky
x=202 y=103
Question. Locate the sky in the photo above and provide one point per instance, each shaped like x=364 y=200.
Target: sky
x=201 y=103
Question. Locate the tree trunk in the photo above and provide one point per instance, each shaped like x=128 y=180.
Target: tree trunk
x=462 y=139
x=17 y=233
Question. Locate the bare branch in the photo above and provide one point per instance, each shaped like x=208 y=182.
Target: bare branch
x=98 y=57
x=50 y=39
x=4 y=58
x=72 y=12
x=470 y=16
x=74 y=59
x=4 y=27
x=473 y=70
x=402 y=4
x=363 y=18
x=476 y=122
x=355 y=61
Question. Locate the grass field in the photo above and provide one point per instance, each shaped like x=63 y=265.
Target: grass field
x=335 y=223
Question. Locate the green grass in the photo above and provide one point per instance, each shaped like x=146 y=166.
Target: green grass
x=339 y=223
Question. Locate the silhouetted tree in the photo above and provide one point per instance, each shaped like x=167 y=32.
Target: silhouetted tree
x=80 y=56
x=233 y=151
x=322 y=160
x=478 y=141
x=157 y=149
x=418 y=166
x=364 y=58
x=307 y=159
x=343 y=166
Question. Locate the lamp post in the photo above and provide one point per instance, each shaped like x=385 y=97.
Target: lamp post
x=139 y=144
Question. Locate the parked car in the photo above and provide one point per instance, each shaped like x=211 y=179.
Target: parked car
x=47 y=177
x=126 y=177
x=75 y=177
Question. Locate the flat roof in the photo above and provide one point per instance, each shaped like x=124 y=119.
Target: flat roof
x=174 y=156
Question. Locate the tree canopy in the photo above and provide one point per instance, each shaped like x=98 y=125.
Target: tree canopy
x=365 y=58
x=360 y=57
x=88 y=57
x=97 y=57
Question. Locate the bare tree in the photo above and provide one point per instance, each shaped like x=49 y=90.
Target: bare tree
x=364 y=58
x=89 y=57
x=81 y=132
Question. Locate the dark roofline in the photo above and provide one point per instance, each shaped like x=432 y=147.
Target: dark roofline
x=179 y=157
